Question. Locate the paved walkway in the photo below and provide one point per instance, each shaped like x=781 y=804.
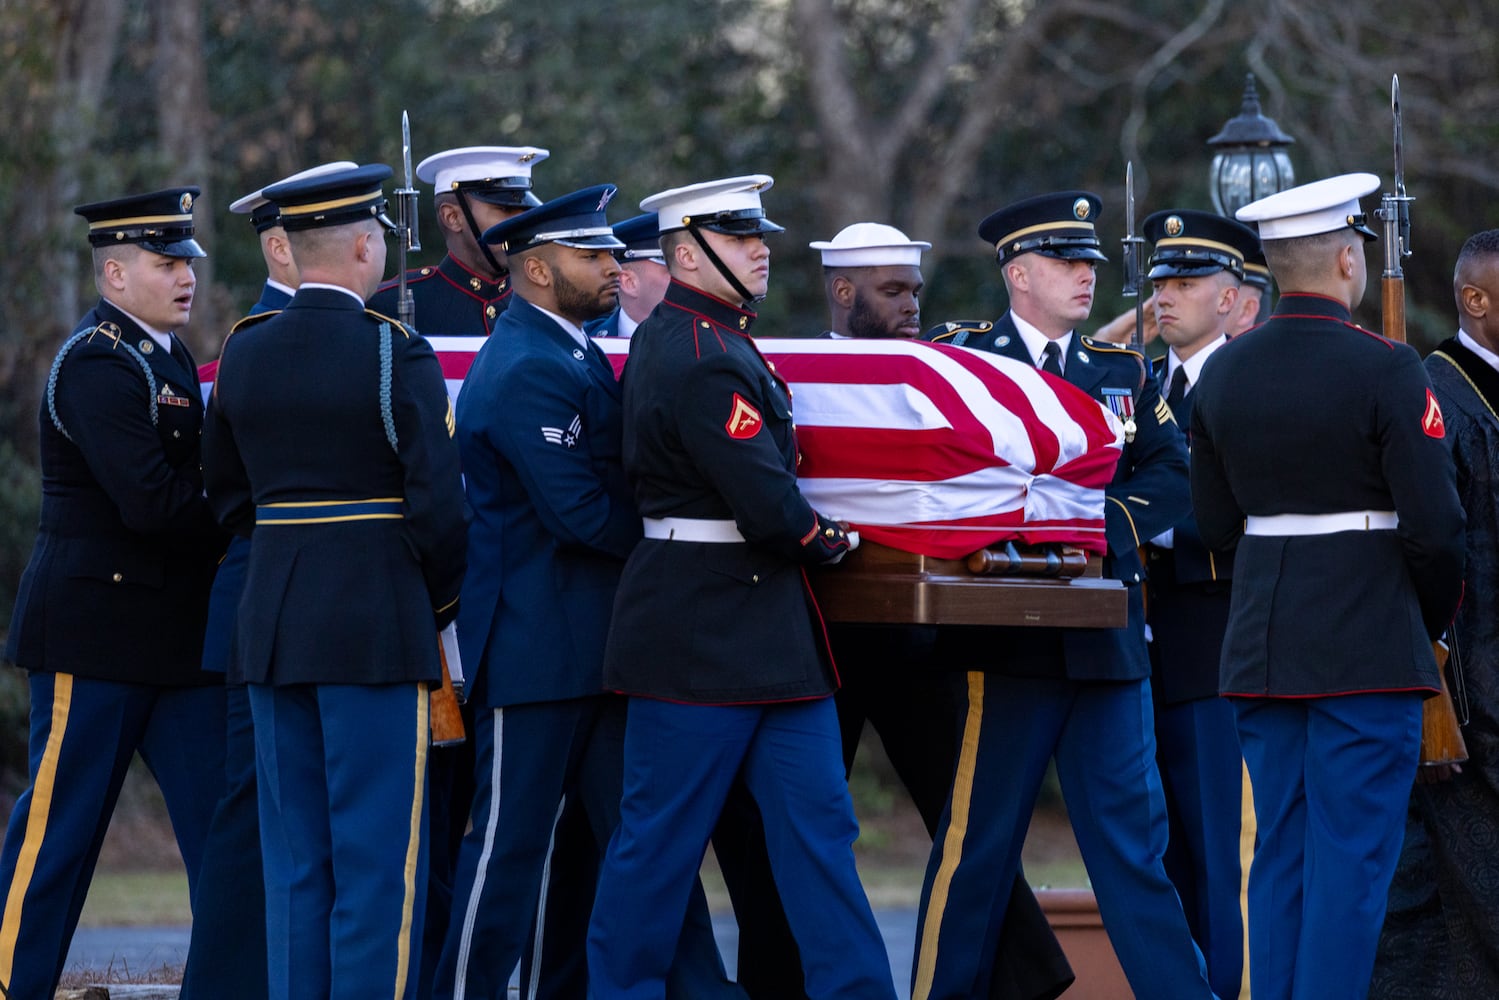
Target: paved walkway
x=126 y=950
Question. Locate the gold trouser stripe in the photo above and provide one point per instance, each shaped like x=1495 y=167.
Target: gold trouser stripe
x=413 y=840
x=1248 y=833
x=36 y=824
x=952 y=844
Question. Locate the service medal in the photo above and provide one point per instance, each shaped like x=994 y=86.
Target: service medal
x=1122 y=403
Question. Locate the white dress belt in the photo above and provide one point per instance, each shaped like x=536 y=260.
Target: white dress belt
x=1288 y=525
x=692 y=529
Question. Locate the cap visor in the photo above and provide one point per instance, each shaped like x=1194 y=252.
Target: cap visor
x=591 y=243
x=174 y=248
x=517 y=198
x=1071 y=253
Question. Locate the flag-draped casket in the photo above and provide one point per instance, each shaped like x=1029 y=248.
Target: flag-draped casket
x=936 y=452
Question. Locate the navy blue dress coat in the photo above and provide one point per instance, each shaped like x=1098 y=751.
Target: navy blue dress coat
x=553 y=520
x=449 y=299
x=117 y=585
x=297 y=417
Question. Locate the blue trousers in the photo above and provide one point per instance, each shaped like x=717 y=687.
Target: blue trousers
x=1332 y=777
x=342 y=776
x=680 y=761
x=1102 y=736
x=1202 y=771
x=83 y=735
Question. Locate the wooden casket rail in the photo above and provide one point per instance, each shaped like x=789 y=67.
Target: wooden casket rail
x=876 y=584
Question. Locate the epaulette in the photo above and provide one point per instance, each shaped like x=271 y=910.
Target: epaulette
x=109 y=330
x=958 y=331
x=251 y=320
x=1102 y=345
x=395 y=323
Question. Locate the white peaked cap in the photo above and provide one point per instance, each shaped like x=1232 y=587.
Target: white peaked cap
x=731 y=194
x=1323 y=206
x=253 y=200
x=446 y=170
x=870 y=244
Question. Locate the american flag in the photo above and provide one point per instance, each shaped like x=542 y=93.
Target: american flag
x=928 y=448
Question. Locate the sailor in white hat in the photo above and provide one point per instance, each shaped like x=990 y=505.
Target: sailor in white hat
x=474 y=189
x=1317 y=449
x=872 y=275
x=281 y=271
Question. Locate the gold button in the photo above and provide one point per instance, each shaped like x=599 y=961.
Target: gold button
x=828 y=532
x=755 y=578
x=743 y=322
x=176 y=434
x=118 y=577
x=475 y=284
x=491 y=312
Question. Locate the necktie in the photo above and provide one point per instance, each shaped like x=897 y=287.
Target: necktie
x=1178 y=390
x=1051 y=359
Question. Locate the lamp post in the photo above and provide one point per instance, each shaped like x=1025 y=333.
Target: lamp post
x=1250 y=161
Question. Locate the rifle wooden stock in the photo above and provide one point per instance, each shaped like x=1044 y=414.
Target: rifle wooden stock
x=445 y=717
x=1441 y=736
x=1392 y=295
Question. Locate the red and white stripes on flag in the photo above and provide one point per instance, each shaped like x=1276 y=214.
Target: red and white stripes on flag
x=929 y=448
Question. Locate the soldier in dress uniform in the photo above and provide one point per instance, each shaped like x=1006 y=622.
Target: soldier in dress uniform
x=1197 y=269
x=642 y=277
x=226 y=957
x=281 y=271
x=474 y=189
x=1339 y=493
x=715 y=636
x=1254 y=293
x=330 y=437
x=1081 y=696
x=108 y=620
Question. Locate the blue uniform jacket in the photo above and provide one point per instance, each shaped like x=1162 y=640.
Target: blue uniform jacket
x=1187 y=593
x=449 y=299
x=1351 y=425
x=709 y=435
x=348 y=596
x=1148 y=494
x=539 y=430
x=117 y=584
x=272 y=299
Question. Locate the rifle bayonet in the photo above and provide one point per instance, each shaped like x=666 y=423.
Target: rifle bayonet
x=406 y=225
x=1134 y=245
x=1395 y=214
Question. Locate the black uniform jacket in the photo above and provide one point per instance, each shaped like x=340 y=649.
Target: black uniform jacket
x=347 y=595
x=117 y=586
x=449 y=300
x=1309 y=414
x=1187 y=596
x=1148 y=494
x=708 y=434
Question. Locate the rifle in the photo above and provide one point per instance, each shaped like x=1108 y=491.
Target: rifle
x=443 y=701
x=1441 y=733
x=410 y=240
x=1134 y=259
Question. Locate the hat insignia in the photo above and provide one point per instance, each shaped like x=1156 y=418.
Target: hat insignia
x=525 y=158
x=1081 y=208
x=186 y=201
x=1174 y=226
x=604 y=200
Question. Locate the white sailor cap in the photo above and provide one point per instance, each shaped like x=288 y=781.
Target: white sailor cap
x=499 y=175
x=870 y=244
x=263 y=214
x=731 y=206
x=1323 y=206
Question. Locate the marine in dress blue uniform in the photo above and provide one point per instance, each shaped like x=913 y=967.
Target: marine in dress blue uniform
x=1339 y=493
x=330 y=440
x=474 y=188
x=553 y=524
x=109 y=616
x=1081 y=696
x=1197 y=267
x=715 y=636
